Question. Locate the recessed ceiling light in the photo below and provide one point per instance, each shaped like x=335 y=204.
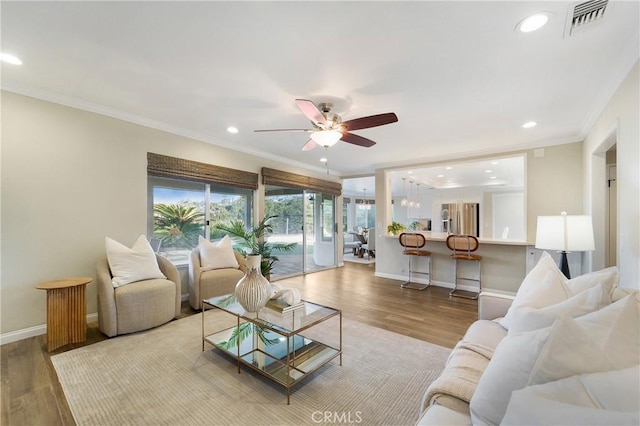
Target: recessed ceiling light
x=410 y=171
x=533 y=22
x=488 y=171
x=10 y=59
x=492 y=177
x=529 y=124
x=448 y=168
x=440 y=176
x=232 y=129
x=324 y=160
x=494 y=162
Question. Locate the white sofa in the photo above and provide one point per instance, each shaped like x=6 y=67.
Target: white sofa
x=516 y=370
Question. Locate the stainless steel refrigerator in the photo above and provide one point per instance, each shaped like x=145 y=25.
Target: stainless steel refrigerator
x=461 y=218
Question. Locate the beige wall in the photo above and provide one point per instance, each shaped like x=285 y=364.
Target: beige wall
x=619 y=124
x=554 y=183
x=70 y=178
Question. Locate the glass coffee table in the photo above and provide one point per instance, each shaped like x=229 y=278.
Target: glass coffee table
x=272 y=343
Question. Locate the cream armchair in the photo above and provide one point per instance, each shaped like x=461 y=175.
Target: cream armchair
x=140 y=305
x=213 y=282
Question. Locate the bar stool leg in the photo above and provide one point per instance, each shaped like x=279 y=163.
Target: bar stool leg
x=455 y=283
x=417 y=286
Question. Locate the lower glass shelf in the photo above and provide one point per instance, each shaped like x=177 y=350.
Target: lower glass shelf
x=266 y=352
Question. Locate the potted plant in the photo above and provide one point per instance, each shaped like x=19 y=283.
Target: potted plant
x=395 y=228
x=252 y=241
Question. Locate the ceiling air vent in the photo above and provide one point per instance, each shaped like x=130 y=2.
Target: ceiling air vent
x=583 y=15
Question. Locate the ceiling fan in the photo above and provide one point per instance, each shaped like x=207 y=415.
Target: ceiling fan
x=328 y=127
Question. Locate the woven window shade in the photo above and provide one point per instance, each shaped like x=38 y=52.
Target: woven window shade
x=165 y=166
x=292 y=180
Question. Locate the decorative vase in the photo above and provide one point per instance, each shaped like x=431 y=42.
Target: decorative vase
x=253 y=291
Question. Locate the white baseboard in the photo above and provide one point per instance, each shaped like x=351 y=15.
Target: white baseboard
x=37 y=330
x=444 y=284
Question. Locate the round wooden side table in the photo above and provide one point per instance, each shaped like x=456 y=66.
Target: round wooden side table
x=66 y=311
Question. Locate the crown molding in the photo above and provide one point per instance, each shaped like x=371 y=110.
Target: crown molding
x=83 y=105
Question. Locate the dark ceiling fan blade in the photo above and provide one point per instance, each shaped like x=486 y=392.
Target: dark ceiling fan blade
x=369 y=121
x=309 y=145
x=312 y=112
x=357 y=140
x=284 y=130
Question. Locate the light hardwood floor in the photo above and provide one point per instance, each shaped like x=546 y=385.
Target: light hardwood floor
x=31 y=393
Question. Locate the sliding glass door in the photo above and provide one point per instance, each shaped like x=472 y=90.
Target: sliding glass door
x=306 y=218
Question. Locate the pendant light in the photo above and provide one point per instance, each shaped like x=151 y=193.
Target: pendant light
x=417 y=204
x=411 y=203
x=365 y=204
x=404 y=201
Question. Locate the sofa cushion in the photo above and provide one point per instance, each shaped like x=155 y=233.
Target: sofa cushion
x=128 y=265
x=216 y=256
x=515 y=357
x=606 y=398
x=443 y=416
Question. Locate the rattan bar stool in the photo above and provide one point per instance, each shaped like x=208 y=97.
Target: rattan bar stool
x=413 y=243
x=463 y=247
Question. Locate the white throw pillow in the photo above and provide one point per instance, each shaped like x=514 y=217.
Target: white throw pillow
x=528 y=318
x=217 y=256
x=545 y=265
x=563 y=355
x=133 y=264
x=544 y=271
x=607 y=277
x=515 y=357
x=545 y=285
x=607 y=398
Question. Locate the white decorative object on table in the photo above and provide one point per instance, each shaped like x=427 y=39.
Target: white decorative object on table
x=253 y=290
x=290 y=296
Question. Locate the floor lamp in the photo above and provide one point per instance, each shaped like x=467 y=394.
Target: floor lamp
x=565 y=233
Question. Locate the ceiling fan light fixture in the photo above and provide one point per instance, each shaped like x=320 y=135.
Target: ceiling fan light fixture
x=326 y=138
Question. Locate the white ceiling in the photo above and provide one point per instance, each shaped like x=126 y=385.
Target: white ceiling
x=504 y=173
x=458 y=76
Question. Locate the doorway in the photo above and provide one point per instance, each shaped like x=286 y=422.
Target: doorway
x=611 y=232
x=306 y=218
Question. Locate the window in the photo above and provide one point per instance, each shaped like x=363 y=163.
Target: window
x=182 y=209
x=345 y=215
x=327 y=217
x=185 y=198
x=365 y=215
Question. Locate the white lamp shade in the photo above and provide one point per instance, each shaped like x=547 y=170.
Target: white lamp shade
x=580 y=234
x=550 y=233
x=326 y=137
x=565 y=233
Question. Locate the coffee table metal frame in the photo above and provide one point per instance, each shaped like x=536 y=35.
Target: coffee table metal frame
x=302 y=356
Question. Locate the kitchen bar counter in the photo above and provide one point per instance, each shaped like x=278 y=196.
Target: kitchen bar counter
x=442 y=236
x=504 y=262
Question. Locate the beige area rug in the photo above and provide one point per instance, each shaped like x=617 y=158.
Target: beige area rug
x=162 y=377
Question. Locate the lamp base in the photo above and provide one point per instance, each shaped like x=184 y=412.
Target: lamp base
x=564 y=265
